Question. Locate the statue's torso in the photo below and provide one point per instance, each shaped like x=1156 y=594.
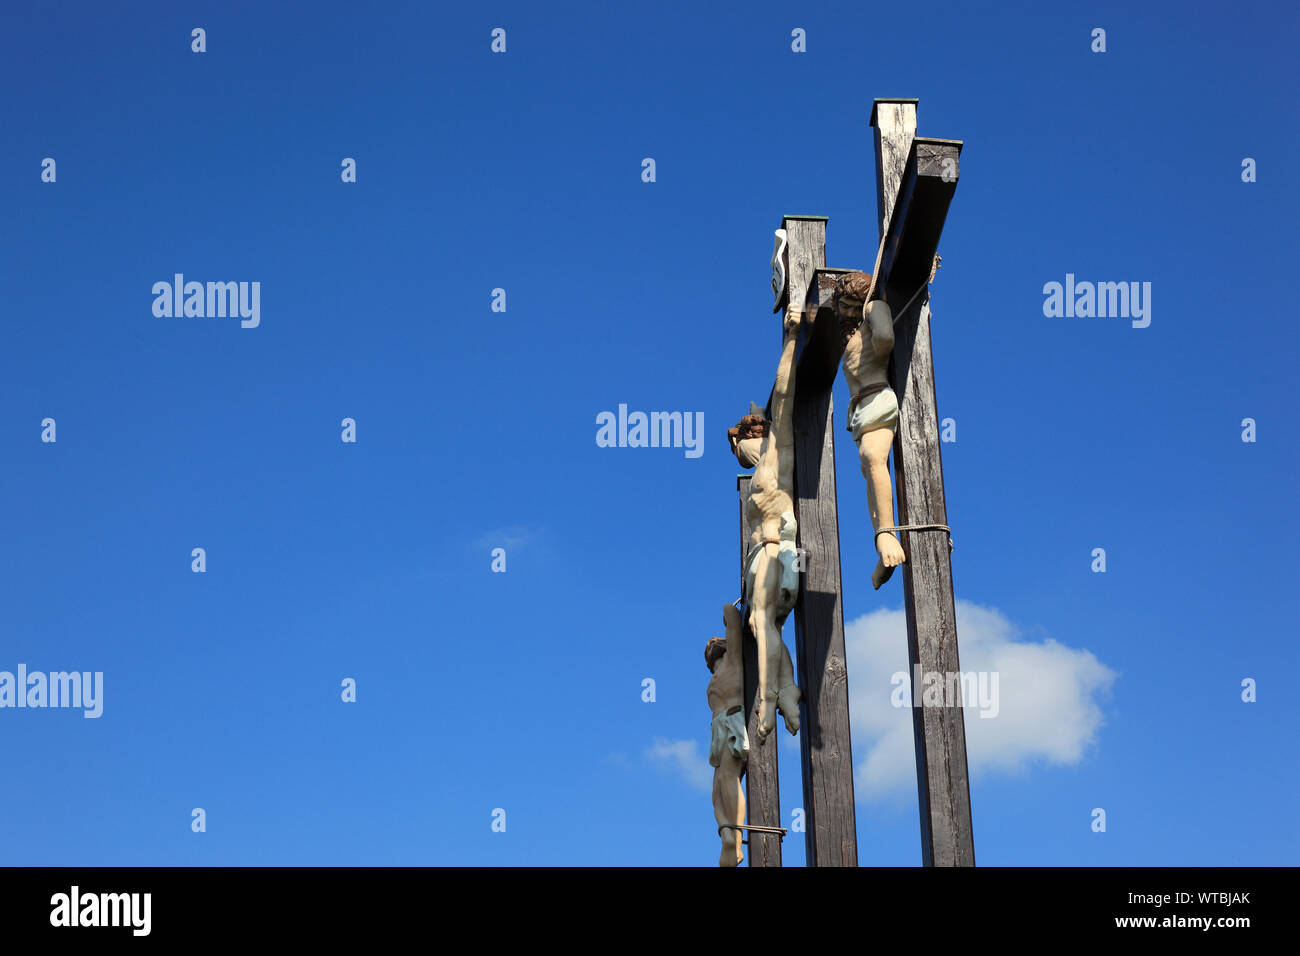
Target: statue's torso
x=862 y=368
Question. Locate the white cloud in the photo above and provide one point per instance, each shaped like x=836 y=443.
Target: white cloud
x=683 y=757
x=1048 y=694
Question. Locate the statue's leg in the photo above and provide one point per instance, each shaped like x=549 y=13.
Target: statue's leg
x=767 y=635
x=729 y=807
x=787 y=698
x=873 y=449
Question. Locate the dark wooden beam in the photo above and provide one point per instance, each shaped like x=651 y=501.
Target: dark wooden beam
x=825 y=751
x=928 y=183
x=914 y=201
x=762 y=791
x=821 y=347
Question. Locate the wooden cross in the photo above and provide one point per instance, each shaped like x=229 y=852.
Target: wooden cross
x=915 y=182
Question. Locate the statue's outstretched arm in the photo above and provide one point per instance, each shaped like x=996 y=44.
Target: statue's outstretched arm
x=783 y=398
x=881 y=322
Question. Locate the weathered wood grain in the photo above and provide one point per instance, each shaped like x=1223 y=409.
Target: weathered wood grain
x=914 y=212
x=806 y=236
x=940 y=732
x=824 y=744
x=894 y=121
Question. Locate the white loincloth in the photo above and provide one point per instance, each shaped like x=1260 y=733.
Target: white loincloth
x=880 y=411
x=787 y=556
x=729 y=733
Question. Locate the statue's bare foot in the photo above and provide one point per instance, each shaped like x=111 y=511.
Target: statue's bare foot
x=787 y=702
x=890 y=551
x=891 y=556
x=880 y=575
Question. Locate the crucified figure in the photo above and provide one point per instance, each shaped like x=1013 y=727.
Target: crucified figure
x=868 y=330
x=729 y=741
x=772 y=565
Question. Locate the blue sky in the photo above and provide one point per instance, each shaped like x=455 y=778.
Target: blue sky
x=476 y=429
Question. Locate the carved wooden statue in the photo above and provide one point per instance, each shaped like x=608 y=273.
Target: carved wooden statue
x=729 y=743
x=868 y=328
x=771 y=582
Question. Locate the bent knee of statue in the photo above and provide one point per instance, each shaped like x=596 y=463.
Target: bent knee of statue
x=874 y=456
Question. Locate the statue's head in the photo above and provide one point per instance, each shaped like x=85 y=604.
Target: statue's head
x=851 y=291
x=746 y=436
x=713 y=651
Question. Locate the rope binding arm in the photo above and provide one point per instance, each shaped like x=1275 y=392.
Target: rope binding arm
x=920 y=527
x=779 y=831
